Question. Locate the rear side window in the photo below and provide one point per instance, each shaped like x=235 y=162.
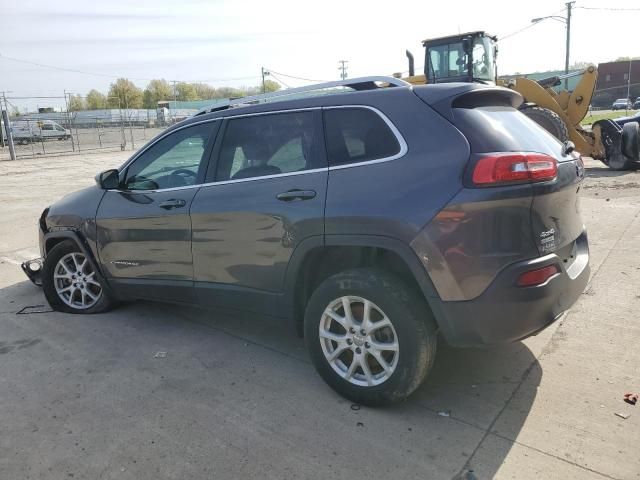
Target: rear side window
x=357 y=135
x=268 y=145
x=503 y=129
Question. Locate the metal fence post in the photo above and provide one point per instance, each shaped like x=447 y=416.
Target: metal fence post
x=7 y=127
x=73 y=143
x=124 y=138
x=40 y=125
x=30 y=140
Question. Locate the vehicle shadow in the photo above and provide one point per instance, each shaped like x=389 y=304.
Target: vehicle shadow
x=474 y=386
x=606 y=172
x=443 y=429
x=467 y=390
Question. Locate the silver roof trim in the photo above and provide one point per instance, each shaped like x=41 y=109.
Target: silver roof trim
x=360 y=83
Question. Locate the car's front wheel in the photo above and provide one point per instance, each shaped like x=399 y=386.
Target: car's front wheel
x=70 y=282
x=370 y=336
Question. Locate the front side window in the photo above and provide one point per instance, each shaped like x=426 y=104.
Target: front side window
x=357 y=135
x=174 y=161
x=265 y=145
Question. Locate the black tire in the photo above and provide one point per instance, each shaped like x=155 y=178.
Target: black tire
x=548 y=120
x=630 y=141
x=105 y=301
x=619 y=163
x=410 y=316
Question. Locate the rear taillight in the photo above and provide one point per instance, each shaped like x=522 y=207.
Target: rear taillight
x=537 y=276
x=499 y=168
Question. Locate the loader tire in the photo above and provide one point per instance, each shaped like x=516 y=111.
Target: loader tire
x=548 y=120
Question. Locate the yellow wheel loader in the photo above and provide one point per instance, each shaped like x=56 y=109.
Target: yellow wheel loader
x=471 y=57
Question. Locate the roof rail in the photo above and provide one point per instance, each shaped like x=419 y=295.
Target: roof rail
x=361 y=83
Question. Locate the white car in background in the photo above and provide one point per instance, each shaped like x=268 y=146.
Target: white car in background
x=25 y=131
x=621 y=104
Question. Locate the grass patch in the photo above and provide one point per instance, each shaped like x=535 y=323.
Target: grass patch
x=595 y=116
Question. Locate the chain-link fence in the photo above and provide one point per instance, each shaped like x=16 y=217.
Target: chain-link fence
x=61 y=130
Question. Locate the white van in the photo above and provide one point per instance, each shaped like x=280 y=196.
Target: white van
x=25 y=131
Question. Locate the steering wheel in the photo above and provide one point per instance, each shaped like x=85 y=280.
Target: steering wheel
x=181 y=173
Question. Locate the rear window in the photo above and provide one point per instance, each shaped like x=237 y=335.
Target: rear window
x=504 y=129
x=357 y=135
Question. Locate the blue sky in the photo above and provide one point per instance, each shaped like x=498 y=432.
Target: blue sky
x=226 y=43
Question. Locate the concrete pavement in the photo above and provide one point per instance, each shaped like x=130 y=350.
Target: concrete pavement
x=83 y=396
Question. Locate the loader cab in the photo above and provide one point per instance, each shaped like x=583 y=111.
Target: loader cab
x=468 y=57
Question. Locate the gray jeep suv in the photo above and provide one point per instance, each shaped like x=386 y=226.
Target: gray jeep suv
x=373 y=220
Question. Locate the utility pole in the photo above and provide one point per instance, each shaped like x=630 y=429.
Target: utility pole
x=343 y=68
x=566 y=58
x=265 y=73
x=567 y=22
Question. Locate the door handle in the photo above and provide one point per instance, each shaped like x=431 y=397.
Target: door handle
x=173 y=203
x=293 y=195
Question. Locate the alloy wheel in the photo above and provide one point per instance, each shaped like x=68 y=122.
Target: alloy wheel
x=75 y=282
x=359 y=341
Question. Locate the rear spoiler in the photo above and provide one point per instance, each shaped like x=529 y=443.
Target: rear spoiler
x=443 y=98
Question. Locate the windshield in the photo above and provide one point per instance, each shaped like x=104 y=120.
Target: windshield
x=483 y=59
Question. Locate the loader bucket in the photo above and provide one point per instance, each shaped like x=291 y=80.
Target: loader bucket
x=620 y=143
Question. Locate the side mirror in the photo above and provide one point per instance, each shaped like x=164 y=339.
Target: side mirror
x=108 y=180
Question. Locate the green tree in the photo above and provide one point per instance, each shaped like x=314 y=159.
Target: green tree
x=205 y=92
x=96 y=100
x=76 y=102
x=156 y=91
x=230 y=92
x=580 y=65
x=271 y=86
x=123 y=93
x=186 y=92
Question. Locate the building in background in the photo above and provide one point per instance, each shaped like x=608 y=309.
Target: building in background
x=573 y=81
x=614 y=78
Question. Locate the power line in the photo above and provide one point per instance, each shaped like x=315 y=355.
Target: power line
x=64 y=69
x=278 y=79
x=504 y=37
x=516 y=32
x=296 y=78
x=611 y=9
x=105 y=75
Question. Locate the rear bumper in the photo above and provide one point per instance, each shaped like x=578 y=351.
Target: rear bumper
x=507 y=313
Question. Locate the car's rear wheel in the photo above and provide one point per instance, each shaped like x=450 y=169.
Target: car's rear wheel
x=370 y=336
x=70 y=282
